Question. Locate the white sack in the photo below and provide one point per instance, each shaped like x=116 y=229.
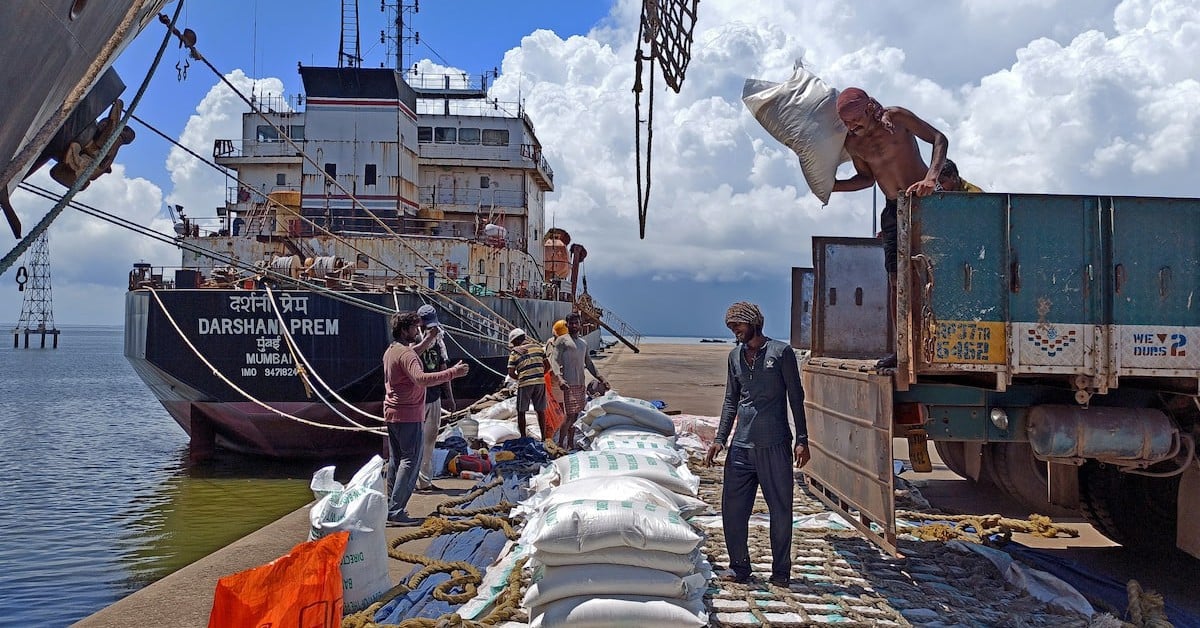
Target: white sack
x=620 y=610
x=802 y=114
x=648 y=444
x=504 y=410
x=678 y=564
x=550 y=584
x=585 y=525
x=597 y=417
x=590 y=464
x=493 y=431
x=359 y=507
x=610 y=488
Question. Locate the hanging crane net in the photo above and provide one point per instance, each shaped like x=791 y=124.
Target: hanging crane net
x=665 y=40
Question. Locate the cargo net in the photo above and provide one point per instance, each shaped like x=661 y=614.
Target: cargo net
x=665 y=40
x=839 y=577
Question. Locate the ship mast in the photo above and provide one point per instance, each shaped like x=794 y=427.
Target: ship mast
x=395 y=36
x=349 y=52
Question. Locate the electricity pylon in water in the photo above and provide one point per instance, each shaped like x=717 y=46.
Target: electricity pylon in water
x=37 y=308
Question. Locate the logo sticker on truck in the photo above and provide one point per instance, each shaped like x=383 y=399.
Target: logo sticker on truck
x=1050 y=344
x=1154 y=347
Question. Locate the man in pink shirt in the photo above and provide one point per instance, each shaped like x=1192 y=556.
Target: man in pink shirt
x=405 y=382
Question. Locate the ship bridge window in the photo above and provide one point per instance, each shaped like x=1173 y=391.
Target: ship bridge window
x=495 y=137
x=267 y=133
x=280 y=178
x=485 y=182
x=424 y=134
x=369 y=175
x=296 y=131
x=445 y=134
x=468 y=136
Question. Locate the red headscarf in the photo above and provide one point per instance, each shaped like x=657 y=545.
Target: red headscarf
x=853 y=102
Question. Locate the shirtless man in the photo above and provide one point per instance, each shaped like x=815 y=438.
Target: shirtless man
x=882 y=142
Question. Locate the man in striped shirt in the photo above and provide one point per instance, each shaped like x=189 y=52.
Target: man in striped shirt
x=526 y=365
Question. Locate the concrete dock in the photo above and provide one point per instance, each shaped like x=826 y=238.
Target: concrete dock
x=691 y=379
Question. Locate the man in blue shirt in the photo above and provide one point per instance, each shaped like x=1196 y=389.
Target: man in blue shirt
x=763 y=381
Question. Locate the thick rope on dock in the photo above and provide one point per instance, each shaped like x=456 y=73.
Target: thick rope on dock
x=985 y=527
x=464 y=576
x=1146 y=608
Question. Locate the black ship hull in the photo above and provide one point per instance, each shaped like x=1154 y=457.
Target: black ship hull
x=219 y=362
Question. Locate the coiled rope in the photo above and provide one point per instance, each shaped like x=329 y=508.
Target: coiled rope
x=464 y=576
x=950 y=527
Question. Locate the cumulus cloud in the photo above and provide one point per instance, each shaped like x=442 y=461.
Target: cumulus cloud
x=196 y=185
x=1035 y=96
x=90 y=259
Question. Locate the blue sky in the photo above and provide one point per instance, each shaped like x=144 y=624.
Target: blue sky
x=269 y=37
x=1043 y=96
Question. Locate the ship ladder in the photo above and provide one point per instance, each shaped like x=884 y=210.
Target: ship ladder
x=492 y=328
x=611 y=323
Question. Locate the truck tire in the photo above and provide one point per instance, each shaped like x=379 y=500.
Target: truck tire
x=1023 y=477
x=954 y=455
x=1133 y=510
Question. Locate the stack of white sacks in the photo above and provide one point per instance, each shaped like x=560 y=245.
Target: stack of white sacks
x=610 y=543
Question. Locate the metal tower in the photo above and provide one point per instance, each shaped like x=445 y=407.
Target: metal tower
x=349 y=53
x=37 y=310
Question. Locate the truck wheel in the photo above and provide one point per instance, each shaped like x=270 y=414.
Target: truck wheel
x=1133 y=510
x=954 y=455
x=1023 y=477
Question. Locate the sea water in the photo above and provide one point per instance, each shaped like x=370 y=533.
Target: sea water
x=98 y=496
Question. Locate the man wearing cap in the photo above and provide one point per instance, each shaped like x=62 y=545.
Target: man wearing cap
x=526 y=365
x=568 y=359
x=404 y=383
x=882 y=143
x=434 y=357
x=762 y=381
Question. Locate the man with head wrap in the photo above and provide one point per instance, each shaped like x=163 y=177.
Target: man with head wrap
x=882 y=143
x=762 y=381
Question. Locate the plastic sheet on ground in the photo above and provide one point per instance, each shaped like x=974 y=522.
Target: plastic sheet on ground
x=478 y=546
x=1093 y=585
x=819 y=521
x=1040 y=584
x=702 y=428
x=495 y=580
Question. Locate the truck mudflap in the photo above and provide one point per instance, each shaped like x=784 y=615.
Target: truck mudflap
x=849 y=416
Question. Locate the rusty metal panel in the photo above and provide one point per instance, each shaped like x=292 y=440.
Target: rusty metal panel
x=850 y=433
x=850 y=298
x=802 y=307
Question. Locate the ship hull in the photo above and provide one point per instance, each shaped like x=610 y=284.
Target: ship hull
x=233 y=381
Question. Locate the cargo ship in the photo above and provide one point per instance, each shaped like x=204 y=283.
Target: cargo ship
x=372 y=192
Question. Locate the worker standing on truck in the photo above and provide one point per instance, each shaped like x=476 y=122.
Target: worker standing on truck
x=763 y=380
x=882 y=143
x=951 y=182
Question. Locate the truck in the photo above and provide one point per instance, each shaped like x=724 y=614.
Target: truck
x=1047 y=344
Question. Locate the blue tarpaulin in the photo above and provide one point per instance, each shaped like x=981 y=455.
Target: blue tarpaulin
x=1094 y=586
x=478 y=546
